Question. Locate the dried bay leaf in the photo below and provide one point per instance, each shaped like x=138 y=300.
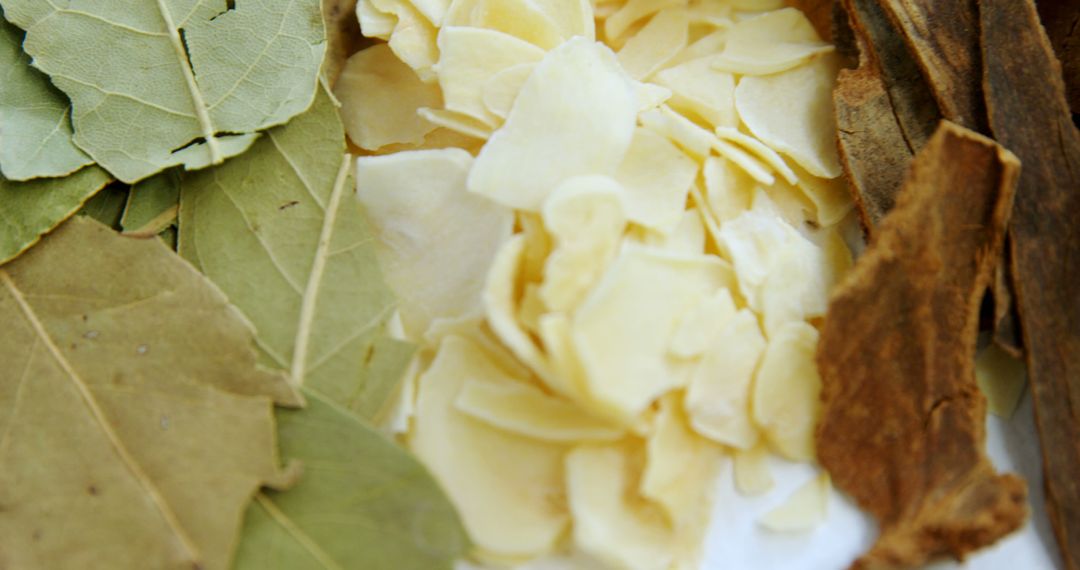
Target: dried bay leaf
x=152 y=204
x=158 y=84
x=30 y=209
x=361 y=503
x=107 y=206
x=35 y=128
x=126 y=443
x=279 y=230
x=902 y=429
x=1029 y=114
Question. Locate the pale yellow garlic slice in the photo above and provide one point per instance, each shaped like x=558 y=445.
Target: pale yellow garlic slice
x=500 y=303
x=770 y=43
x=803 y=510
x=703 y=47
x=766 y=154
x=830 y=196
x=574 y=116
x=701 y=142
x=501 y=90
x=623 y=329
x=508 y=489
x=786 y=391
x=703 y=326
x=610 y=523
x=457 y=122
x=688 y=237
x=435 y=240
x=657 y=43
x=524 y=409
x=729 y=191
x=718 y=399
x=520 y=18
x=380 y=96
x=806 y=129
x=751 y=469
x=657 y=176
x=568 y=378
x=681 y=467
x=1001 y=378
x=631 y=12
x=650 y=95
x=469 y=58
x=413 y=38
x=373 y=22
x=700 y=90
x=710 y=12
x=585 y=215
x=571 y=17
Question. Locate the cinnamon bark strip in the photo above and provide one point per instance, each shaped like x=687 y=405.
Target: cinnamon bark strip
x=1061 y=18
x=884 y=112
x=902 y=428
x=1029 y=114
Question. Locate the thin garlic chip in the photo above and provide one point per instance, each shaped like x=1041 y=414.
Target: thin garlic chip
x=519 y=18
x=569 y=378
x=571 y=17
x=413 y=38
x=506 y=488
x=783 y=275
x=751 y=470
x=710 y=12
x=610 y=523
x=770 y=43
x=756 y=5
x=469 y=58
x=766 y=154
x=718 y=399
x=728 y=190
x=698 y=89
x=702 y=327
x=586 y=217
x=373 y=22
x=523 y=409
x=688 y=237
x=574 y=116
x=650 y=95
x=500 y=302
x=806 y=129
x=702 y=47
x=457 y=122
x=623 y=329
x=379 y=98
x=830 y=197
x=632 y=11
x=786 y=391
x=803 y=510
x=435 y=240
x=433 y=10
x=531 y=309
x=1001 y=378
x=657 y=176
x=501 y=90
x=700 y=142
x=681 y=468
x=657 y=43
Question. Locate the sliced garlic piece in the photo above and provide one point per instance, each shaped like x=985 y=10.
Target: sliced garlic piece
x=702 y=327
x=501 y=90
x=623 y=329
x=700 y=90
x=681 y=468
x=379 y=97
x=656 y=44
x=457 y=122
x=469 y=58
x=631 y=12
x=434 y=240
x=657 y=176
x=806 y=130
x=413 y=38
x=766 y=154
x=729 y=191
x=508 y=489
x=523 y=409
x=786 y=391
x=577 y=105
x=803 y=510
x=770 y=43
x=751 y=467
x=519 y=18
x=610 y=524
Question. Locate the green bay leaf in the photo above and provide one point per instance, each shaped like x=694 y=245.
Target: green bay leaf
x=30 y=209
x=279 y=230
x=152 y=204
x=107 y=206
x=135 y=424
x=358 y=504
x=151 y=80
x=35 y=126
